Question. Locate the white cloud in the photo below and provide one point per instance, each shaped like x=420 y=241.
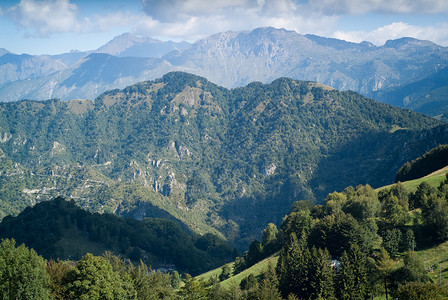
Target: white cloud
x=194 y=19
x=437 y=34
x=47 y=17
x=191 y=19
x=176 y=10
x=102 y=23
x=172 y=11
x=342 y=7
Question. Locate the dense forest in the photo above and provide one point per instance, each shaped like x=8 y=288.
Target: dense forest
x=431 y=161
x=58 y=229
x=360 y=244
x=369 y=237
x=217 y=160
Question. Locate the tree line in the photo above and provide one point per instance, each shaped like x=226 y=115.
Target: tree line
x=26 y=275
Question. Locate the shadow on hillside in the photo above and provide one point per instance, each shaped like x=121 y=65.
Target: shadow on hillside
x=148 y=210
x=373 y=159
x=250 y=215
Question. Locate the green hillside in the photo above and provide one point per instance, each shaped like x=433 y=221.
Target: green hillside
x=433 y=256
x=256 y=270
x=213 y=159
x=434 y=179
x=390 y=241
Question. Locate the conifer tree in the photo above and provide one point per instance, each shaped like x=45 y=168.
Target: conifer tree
x=286 y=266
x=321 y=275
x=384 y=266
x=175 y=280
x=358 y=261
x=435 y=216
x=268 y=286
x=346 y=278
x=293 y=267
x=248 y=282
x=254 y=254
x=418 y=198
x=352 y=278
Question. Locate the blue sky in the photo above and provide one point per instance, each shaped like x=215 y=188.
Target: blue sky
x=58 y=26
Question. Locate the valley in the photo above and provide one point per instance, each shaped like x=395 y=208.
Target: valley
x=245 y=150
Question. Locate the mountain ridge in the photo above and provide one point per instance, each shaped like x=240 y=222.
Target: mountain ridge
x=234 y=59
x=128 y=44
x=204 y=154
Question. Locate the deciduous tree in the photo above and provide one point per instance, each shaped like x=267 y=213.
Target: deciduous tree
x=94 y=278
x=22 y=273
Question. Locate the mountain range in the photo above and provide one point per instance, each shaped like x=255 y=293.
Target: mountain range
x=218 y=160
x=234 y=59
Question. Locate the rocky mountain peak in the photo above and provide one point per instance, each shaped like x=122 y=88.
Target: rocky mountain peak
x=121 y=43
x=128 y=44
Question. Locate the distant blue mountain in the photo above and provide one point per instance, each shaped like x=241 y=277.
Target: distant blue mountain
x=235 y=59
x=429 y=95
x=15 y=67
x=128 y=44
x=3 y=51
x=107 y=68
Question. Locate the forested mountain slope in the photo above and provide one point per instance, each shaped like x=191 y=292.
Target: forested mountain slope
x=58 y=229
x=220 y=160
